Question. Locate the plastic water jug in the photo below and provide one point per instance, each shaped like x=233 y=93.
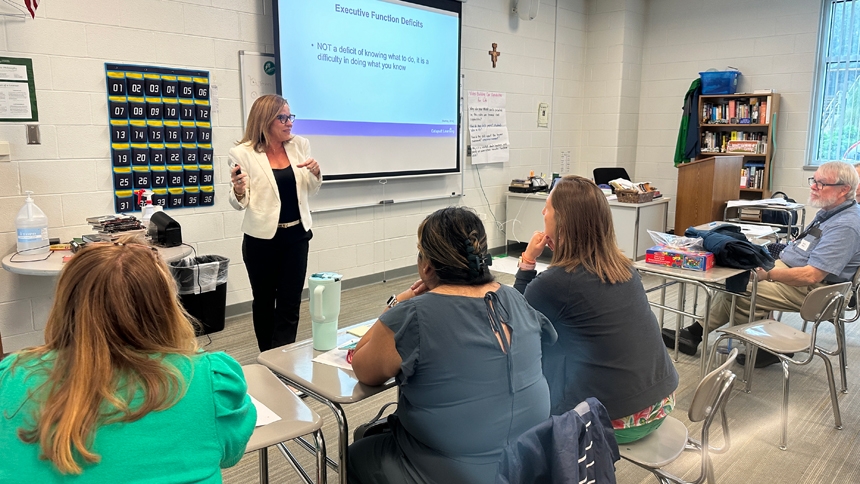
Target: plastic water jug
x=324 y=288
x=32 y=227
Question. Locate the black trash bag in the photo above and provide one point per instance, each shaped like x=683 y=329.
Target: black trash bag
x=202 y=287
x=196 y=275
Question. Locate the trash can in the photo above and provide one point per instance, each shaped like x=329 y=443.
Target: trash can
x=202 y=286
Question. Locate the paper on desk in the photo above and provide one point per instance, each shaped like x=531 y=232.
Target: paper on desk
x=265 y=415
x=358 y=330
x=751 y=230
x=337 y=356
x=767 y=201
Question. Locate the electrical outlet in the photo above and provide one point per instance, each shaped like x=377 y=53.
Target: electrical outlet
x=482 y=216
x=469 y=150
x=543 y=115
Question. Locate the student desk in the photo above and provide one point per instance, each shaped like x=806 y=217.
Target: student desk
x=296 y=420
x=330 y=385
x=711 y=281
x=31 y=265
x=631 y=221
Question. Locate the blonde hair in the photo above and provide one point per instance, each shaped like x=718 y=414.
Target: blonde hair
x=586 y=235
x=264 y=110
x=115 y=316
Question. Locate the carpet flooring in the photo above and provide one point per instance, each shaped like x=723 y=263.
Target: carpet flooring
x=817 y=452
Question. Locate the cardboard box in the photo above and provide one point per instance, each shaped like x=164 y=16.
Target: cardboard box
x=695 y=260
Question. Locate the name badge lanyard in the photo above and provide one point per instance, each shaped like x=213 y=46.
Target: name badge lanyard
x=813 y=227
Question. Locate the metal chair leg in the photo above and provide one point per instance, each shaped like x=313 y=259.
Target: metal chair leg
x=783 y=441
x=749 y=364
x=834 y=401
x=264 y=465
x=843 y=363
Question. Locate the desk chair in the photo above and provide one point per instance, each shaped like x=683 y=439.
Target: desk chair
x=822 y=304
x=602 y=176
x=296 y=420
x=661 y=447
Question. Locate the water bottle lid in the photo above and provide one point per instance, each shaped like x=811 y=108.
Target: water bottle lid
x=326 y=276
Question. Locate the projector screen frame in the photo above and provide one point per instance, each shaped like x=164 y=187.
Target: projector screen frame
x=453 y=6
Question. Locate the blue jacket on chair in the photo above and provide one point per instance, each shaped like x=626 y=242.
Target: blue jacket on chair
x=577 y=446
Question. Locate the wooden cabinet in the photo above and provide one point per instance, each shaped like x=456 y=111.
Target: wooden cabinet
x=704 y=187
x=750 y=120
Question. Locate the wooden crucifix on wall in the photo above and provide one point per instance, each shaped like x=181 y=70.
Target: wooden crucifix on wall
x=495 y=54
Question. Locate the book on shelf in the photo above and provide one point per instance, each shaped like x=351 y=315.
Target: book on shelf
x=754 y=110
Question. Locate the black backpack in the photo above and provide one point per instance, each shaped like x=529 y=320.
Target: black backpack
x=775 y=217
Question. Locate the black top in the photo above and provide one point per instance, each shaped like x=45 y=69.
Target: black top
x=286 y=181
x=609 y=344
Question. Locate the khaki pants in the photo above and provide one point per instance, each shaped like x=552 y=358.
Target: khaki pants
x=770 y=296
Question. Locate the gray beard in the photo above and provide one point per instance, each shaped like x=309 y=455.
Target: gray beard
x=820 y=203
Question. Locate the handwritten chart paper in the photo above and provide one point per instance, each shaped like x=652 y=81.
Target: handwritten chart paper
x=488 y=127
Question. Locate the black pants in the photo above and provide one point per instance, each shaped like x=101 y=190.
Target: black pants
x=276 y=270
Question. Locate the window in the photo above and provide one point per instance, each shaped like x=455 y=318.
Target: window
x=835 y=133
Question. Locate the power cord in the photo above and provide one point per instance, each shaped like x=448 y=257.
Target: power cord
x=499 y=225
x=20 y=252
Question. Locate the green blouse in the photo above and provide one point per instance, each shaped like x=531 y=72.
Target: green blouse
x=189 y=442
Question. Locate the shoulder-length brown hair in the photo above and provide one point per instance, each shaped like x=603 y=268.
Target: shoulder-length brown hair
x=115 y=316
x=585 y=235
x=264 y=110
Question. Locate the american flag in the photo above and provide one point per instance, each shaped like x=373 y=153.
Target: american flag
x=32 y=5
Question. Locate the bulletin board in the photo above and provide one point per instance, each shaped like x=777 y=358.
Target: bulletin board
x=17 y=91
x=161 y=136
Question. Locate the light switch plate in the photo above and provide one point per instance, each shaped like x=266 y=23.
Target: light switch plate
x=543 y=115
x=33 y=137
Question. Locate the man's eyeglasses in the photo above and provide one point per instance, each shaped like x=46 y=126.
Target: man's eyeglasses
x=283 y=118
x=819 y=185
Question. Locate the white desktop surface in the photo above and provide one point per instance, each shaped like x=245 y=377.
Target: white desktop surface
x=31 y=265
x=630 y=220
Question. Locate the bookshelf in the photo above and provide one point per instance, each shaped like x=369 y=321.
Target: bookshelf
x=741 y=125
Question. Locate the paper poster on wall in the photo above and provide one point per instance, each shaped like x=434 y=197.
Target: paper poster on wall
x=488 y=127
x=17 y=90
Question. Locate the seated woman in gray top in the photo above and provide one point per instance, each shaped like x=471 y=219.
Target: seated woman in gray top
x=465 y=352
x=609 y=343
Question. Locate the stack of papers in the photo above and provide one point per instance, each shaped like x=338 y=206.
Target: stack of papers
x=763 y=203
x=337 y=356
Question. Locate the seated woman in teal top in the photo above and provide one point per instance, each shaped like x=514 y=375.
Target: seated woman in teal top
x=466 y=355
x=119 y=392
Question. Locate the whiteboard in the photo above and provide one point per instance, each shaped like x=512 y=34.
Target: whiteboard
x=363 y=193
x=255 y=80
x=343 y=195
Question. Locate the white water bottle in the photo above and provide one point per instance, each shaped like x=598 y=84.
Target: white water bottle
x=32 y=228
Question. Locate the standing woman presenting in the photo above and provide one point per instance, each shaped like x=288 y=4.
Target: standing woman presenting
x=272 y=173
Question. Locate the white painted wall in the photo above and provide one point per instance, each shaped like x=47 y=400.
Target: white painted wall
x=614 y=73
x=70 y=41
x=771 y=42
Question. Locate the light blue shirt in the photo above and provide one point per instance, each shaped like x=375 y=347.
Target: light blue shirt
x=837 y=249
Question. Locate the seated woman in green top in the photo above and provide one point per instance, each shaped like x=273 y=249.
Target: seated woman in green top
x=119 y=390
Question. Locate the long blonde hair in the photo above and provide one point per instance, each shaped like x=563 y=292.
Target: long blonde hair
x=264 y=110
x=115 y=316
x=586 y=235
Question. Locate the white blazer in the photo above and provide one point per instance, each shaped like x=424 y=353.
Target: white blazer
x=262 y=201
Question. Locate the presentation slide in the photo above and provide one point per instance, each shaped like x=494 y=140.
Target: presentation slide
x=374 y=84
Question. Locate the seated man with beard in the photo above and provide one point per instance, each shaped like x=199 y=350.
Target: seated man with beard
x=826 y=252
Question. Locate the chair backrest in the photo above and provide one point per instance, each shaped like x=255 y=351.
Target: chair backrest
x=711 y=390
x=602 y=176
x=821 y=304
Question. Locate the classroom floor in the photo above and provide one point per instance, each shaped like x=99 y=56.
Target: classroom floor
x=817 y=453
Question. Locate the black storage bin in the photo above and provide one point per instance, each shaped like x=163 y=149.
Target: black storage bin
x=202 y=286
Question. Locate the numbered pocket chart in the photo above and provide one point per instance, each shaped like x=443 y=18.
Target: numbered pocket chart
x=161 y=136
